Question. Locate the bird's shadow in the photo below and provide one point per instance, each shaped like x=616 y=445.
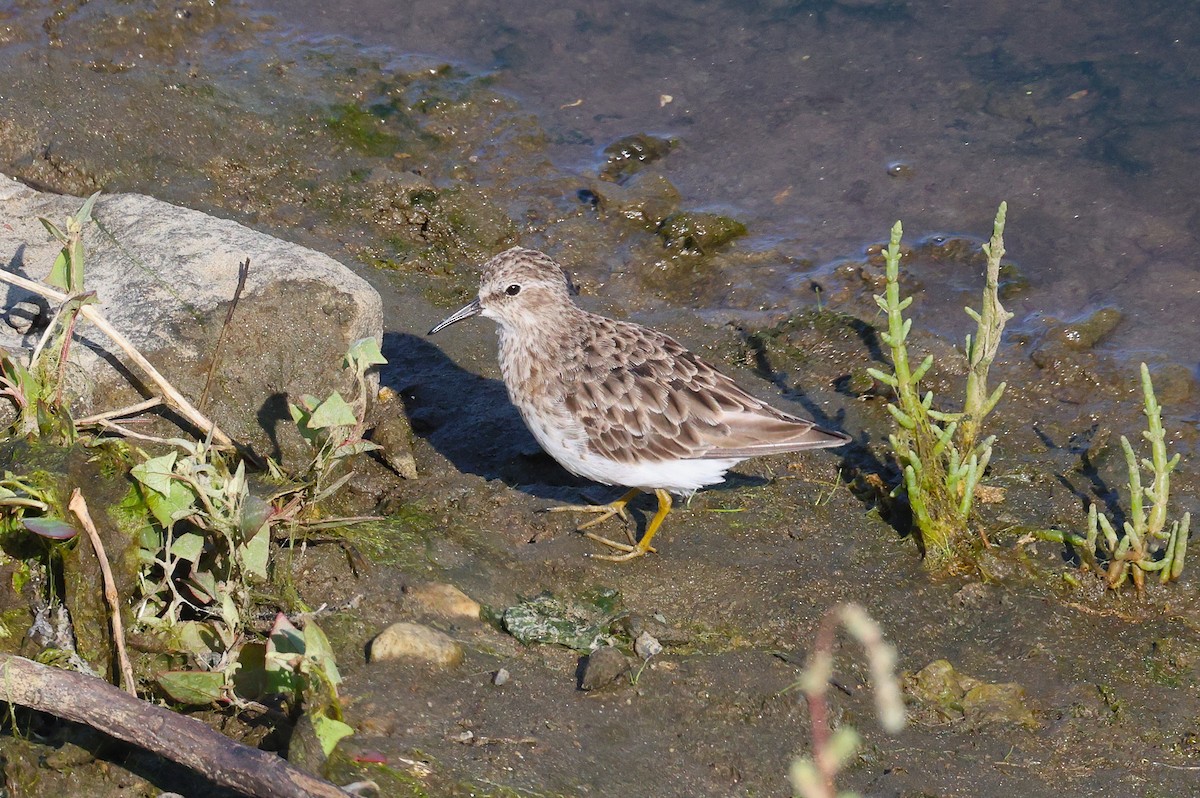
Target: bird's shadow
x=469 y=420
x=858 y=458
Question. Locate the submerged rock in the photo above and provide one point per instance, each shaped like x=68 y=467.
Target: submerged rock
x=646 y=200
x=627 y=155
x=699 y=232
x=1064 y=341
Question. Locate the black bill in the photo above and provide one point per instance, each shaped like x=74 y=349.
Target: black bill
x=473 y=309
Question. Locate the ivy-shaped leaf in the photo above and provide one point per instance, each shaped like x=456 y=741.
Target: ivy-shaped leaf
x=194 y=688
x=157 y=473
x=333 y=412
x=329 y=731
x=188 y=546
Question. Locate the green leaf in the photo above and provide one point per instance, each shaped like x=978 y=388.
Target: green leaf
x=284 y=658
x=351 y=448
x=156 y=473
x=365 y=353
x=193 y=687
x=178 y=503
x=188 y=546
x=197 y=638
x=333 y=412
x=284 y=643
x=60 y=272
x=255 y=553
x=318 y=651
x=53 y=229
x=51 y=528
x=255 y=512
x=204 y=585
x=329 y=731
x=250 y=678
x=84 y=215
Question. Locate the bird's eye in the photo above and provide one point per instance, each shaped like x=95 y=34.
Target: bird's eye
x=513 y=290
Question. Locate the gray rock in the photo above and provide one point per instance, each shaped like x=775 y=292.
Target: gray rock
x=164 y=277
x=414 y=641
x=647 y=646
x=603 y=666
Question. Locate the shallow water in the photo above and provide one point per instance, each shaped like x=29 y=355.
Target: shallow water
x=820 y=123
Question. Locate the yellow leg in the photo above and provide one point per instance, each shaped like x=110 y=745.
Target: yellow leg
x=606 y=511
x=643 y=545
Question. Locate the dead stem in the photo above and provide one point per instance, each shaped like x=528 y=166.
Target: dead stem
x=173 y=398
x=78 y=506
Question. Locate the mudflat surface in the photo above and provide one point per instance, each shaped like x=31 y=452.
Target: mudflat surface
x=417 y=152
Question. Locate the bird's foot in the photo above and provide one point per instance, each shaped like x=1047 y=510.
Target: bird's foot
x=605 y=511
x=631 y=550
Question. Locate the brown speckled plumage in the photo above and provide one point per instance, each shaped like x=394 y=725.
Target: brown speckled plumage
x=620 y=403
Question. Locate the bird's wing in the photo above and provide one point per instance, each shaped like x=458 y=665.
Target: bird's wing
x=641 y=396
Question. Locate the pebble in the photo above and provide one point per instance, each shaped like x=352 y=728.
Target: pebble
x=414 y=641
x=646 y=646
x=998 y=703
x=445 y=601
x=501 y=677
x=603 y=666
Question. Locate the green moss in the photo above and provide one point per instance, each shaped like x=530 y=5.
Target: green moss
x=403 y=540
x=361 y=130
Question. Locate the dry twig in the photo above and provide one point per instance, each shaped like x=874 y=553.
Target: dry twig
x=173 y=397
x=78 y=506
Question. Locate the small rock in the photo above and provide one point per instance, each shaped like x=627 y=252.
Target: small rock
x=603 y=666
x=445 y=601
x=975 y=594
x=998 y=703
x=414 y=641
x=938 y=683
x=501 y=677
x=646 y=646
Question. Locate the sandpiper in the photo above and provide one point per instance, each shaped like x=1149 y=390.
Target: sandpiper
x=619 y=403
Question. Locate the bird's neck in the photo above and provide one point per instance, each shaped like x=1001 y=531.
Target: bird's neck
x=533 y=353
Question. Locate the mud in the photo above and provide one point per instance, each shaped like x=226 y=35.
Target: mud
x=414 y=172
